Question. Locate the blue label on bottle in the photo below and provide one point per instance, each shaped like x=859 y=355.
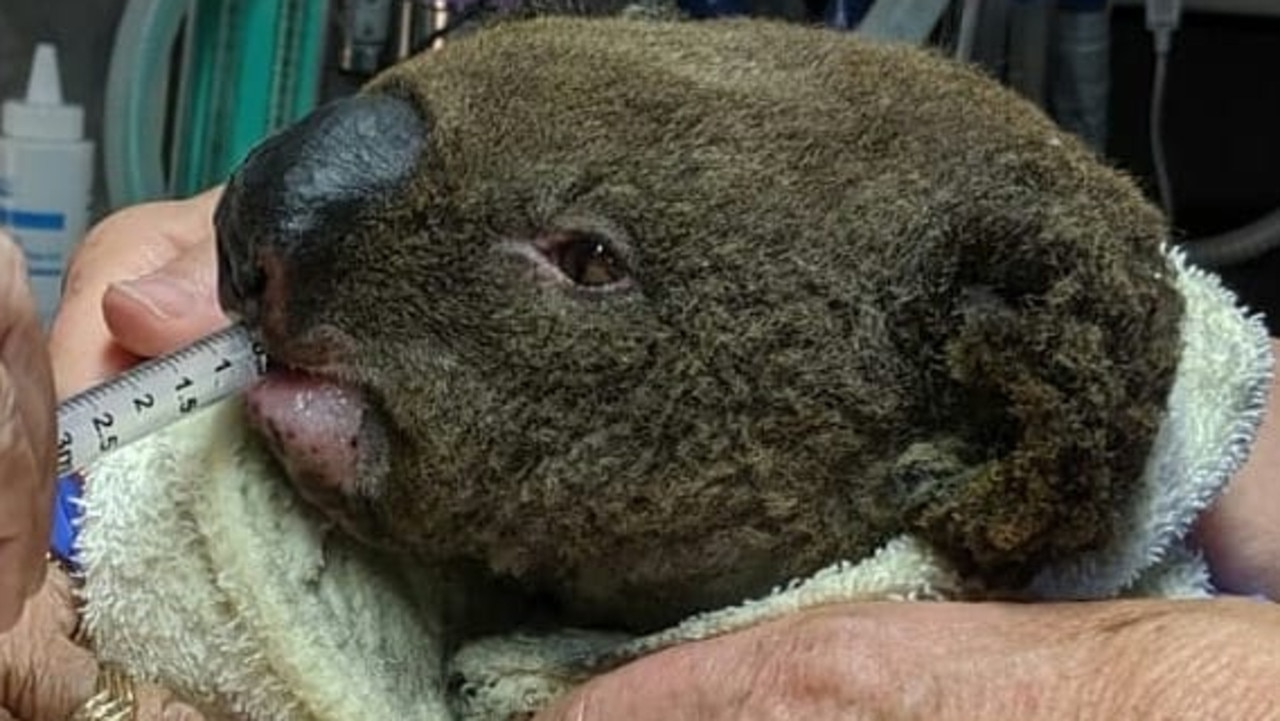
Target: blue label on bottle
x=32 y=220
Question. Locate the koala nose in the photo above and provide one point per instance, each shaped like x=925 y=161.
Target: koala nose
x=294 y=201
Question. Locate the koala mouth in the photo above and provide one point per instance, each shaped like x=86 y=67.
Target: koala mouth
x=322 y=433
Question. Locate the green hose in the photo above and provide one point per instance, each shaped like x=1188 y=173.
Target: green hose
x=249 y=68
x=137 y=95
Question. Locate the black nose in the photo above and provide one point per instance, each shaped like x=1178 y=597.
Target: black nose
x=302 y=193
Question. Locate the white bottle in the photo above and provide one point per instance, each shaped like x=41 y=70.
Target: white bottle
x=46 y=176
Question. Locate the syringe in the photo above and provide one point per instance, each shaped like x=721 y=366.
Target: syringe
x=137 y=403
x=155 y=394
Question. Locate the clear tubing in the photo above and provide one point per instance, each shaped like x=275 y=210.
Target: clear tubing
x=136 y=98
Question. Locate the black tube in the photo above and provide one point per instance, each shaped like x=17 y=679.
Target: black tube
x=1237 y=246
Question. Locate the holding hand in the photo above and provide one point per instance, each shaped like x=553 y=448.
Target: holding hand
x=143 y=283
x=165 y=254
x=46 y=676
x=26 y=439
x=960 y=661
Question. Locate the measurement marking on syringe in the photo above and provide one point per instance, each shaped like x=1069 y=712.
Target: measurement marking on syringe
x=155 y=394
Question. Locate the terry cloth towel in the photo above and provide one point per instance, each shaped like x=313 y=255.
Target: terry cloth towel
x=203 y=572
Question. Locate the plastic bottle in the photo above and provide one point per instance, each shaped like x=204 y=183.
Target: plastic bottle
x=46 y=176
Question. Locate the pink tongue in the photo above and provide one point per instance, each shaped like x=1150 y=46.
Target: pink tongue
x=313 y=426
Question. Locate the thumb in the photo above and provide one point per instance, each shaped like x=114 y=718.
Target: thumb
x=129 y=243
x=168 y=308
x=45 y=676
x=57 y=696
x=158 y=704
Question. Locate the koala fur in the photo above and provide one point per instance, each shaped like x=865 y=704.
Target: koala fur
x=861 y=291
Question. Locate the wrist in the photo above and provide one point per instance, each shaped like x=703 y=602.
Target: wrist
x=1240 y=533
x=1190 y=659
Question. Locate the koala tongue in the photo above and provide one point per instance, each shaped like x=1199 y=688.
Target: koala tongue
x=313 y=427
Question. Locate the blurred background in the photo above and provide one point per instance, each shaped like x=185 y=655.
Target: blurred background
x=174 y=92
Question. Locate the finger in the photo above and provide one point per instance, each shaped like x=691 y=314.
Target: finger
x=159 y=704
x=42 y=673
x=129 y=244
x=24 y=357
x=18 y=469
x=165 y=310
x=57 y=695
x=57 y=599
x=26 y=438
x=1240 y=533
x=47 y=684
x=690 y=682
x=17 y=547
x=46 y=676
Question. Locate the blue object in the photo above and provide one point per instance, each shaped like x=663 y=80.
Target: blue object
x=66 y=520
x=32 y=220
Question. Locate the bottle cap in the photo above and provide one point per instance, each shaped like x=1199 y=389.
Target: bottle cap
x=42 y=115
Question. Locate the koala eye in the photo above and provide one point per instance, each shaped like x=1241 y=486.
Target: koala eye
x=587 y=259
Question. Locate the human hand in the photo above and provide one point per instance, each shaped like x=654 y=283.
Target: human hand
x=143 y=283
x=1241 y=532
x=45 y=675
x=1118 y=659
x=26 y=439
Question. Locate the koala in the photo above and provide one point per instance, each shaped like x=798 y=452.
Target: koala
x=589 y=337
x=644 y=318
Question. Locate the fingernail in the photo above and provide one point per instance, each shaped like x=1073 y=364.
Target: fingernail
x=164 y=296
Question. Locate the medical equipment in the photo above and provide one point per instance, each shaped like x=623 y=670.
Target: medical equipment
x=1233 y=247
x=194 y=84
x=373 y=34
x=155 y=394
x=46 y=172
x=1162 y=21
x=366 y=30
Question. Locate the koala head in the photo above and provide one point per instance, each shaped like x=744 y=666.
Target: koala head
x=653 y=316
